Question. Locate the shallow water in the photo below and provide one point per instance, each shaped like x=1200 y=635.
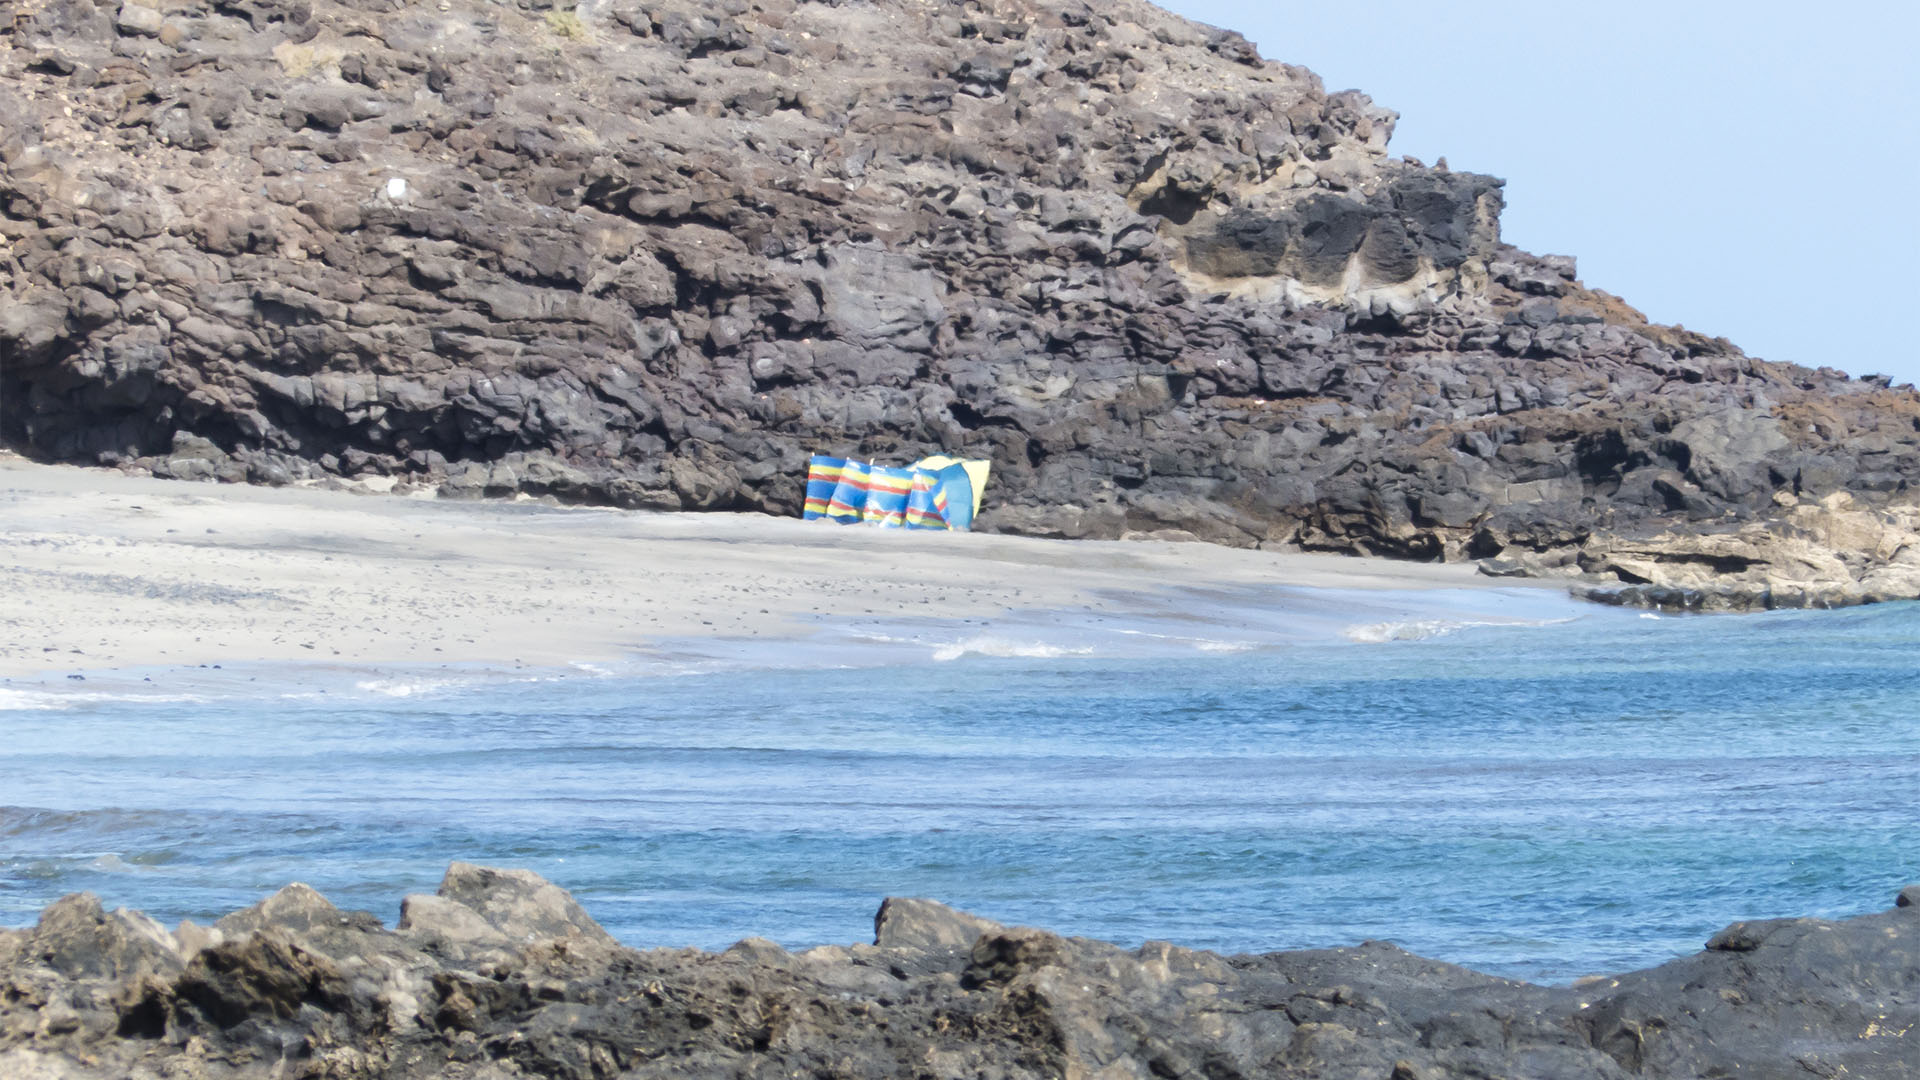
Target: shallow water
x=1581 y=790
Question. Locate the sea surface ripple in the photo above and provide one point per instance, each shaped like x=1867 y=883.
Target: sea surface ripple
x=1542 y=799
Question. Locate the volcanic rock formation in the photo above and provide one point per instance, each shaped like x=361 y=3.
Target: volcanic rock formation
x=653 y=253
x=501 y=974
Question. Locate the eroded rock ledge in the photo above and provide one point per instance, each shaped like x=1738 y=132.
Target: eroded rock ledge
x=1829 y=553
x=501 y=974
x=652 y=253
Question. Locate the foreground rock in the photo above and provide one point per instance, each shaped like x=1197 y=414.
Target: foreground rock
x=501 y=974
x=652 y=253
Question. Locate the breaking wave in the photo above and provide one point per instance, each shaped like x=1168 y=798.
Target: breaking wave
x=401 y=687
x=28 y=701
x=12 y=700
x=1213 y=646
x=992 y=645
x=1423 y=629
x=1409 y=629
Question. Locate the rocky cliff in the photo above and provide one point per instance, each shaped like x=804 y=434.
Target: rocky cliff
x=653 y=253
x=501 y=974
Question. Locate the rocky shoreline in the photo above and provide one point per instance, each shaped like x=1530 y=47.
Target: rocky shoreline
x=502 y=974
x=1832 y=553
x=654 y=254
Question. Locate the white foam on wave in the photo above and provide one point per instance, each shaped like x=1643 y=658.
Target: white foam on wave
x=400 y=687
x=1213 y=645
x=28 y=701
x=12 y=700
x=1423 y=629
x=1210 y=645
x=993 y=645
x=1408 y=630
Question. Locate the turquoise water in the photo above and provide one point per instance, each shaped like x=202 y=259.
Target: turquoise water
x=1543 y=801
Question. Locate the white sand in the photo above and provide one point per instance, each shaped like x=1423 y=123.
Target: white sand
x=101 y=570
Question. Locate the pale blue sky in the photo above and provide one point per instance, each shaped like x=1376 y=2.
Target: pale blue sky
x=1748 y=169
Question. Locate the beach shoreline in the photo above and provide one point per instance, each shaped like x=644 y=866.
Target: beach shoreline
x=104 y=570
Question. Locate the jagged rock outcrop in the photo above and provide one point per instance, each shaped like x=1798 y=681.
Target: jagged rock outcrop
x=1833 y=553
x=652 y=253
x=294 y=987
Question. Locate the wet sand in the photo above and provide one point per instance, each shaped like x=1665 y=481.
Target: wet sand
x=102 y=570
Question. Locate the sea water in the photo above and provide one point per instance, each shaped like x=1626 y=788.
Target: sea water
x=1504 y=779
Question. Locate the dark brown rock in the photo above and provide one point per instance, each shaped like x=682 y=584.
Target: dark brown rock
x=912 y=923
x=655 y=255
x=520 y=905
x=284 y=983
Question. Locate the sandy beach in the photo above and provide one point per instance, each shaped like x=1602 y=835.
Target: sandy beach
x=102 y=570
